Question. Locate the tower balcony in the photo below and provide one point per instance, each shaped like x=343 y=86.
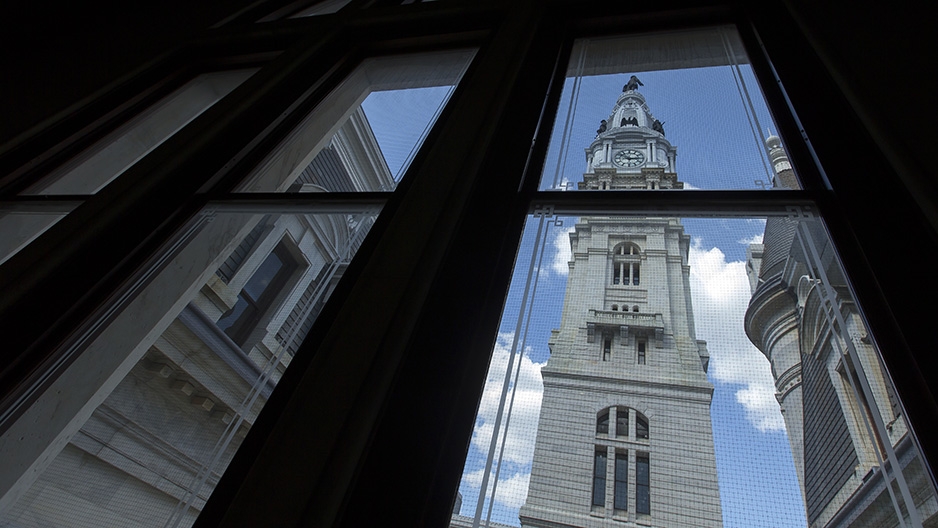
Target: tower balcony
x=627 y=323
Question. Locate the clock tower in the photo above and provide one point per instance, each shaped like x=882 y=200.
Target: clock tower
x=624 y=436
x=630 y=150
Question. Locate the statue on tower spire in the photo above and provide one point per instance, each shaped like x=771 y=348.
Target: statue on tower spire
x=633 y=84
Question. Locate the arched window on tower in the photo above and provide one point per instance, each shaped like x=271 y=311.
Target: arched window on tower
x=626 y=264
x=610 y=449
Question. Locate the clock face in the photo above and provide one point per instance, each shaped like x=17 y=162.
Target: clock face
x=629 y=158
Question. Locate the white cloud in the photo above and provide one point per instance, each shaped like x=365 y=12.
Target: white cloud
x=562 y=253
x=511 y=491
x=754 y=239
x=720 y=292
x=522 y=430
x=519 y=448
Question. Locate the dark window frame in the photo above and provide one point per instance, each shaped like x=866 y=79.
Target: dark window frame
x=104 y=276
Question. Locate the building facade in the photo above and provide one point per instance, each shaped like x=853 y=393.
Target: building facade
x=625 y=430
x=845 y=425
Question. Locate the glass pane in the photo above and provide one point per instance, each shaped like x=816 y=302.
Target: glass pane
x=364 y=134
x=764 y=391
x=622 y=422
x=98 y=165
x=628 y=103
x=21 y=225
x=141 y=424
x=325 y=7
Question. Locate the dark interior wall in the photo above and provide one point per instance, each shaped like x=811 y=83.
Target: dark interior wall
x=55 y=53
x=884 y=57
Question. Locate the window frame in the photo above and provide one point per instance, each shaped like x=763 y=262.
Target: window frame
x=108 y=270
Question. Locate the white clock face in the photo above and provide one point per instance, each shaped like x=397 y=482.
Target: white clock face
x=629 y=158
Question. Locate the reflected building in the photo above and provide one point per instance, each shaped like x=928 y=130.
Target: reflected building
x=625 y=431
x=150 y=447
x=841 y=412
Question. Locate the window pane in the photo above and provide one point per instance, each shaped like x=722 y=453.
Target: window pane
x=622 y=482
x=98 y=165
x=599 y=479
x=364 y=134
x=602 y=426
x=642 y=491
x=785 y=443
x=21 y=224
x=141 y=423
x=325 y=7
x=628 y=103
x=641 y=428
x=622 y=422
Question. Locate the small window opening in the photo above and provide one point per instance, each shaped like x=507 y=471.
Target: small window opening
x=622 y=421
x=621 y=491
x=641 y=428
x=615 y=307
x=642 y=492
x=599 y=477
x=641 y=344
x=607 y=348
x=635 y=309
x=602 y=422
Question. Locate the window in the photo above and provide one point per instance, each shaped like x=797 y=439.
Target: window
x=619 y=486
x=52 y=290
x=642 y=488
x=622 y=421
x=641 y=427
x=607 y=347
x=626 y=264
x=640 y=345
x=258 y=294
x=602 y=423
x=599 y=478
x=621 y=489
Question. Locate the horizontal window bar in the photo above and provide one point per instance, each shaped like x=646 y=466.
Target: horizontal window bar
x=681 y=203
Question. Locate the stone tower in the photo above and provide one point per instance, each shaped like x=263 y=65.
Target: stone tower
x=625 y=431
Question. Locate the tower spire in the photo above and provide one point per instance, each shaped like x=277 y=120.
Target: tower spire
x=630 y=150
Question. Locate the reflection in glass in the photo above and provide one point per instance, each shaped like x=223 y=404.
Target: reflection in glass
x=363 y=136
x=155 y=404
x=324 y=7
x=20 y=227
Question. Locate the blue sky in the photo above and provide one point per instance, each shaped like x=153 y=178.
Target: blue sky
x=705 y=118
